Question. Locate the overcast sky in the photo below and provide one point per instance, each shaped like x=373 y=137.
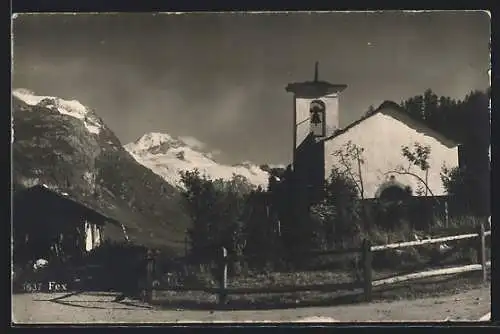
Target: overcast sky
x=221 y=77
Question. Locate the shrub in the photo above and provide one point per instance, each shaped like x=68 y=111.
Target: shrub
x=340 y=214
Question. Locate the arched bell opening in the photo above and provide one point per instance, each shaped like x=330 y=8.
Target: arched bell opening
x=317 y=118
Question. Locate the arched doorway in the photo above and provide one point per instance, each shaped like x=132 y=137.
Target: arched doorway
x=394 y=193
x=393 y=198
x=392 y=190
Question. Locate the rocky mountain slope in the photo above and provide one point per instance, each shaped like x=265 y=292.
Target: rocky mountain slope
x=167 y=156
x=65 y=145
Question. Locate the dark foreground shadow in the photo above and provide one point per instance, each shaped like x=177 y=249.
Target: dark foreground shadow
x=407 y=290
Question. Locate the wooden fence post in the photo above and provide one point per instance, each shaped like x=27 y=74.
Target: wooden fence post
x=149 y=276
x=481 y=251
x=367 y=269
x=223 y=277
x=446 y=214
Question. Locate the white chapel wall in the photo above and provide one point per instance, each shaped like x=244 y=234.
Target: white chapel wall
x=382 y=137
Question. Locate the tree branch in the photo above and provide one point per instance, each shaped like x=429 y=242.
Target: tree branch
x=362 y=190
x=348 y=168
x=415 y=176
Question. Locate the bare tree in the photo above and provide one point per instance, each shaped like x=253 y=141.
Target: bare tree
x=351 y=159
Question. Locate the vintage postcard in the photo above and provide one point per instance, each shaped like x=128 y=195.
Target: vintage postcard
x=321 y=167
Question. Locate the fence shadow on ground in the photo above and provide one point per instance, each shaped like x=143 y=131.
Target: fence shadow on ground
x=120 y=305
x=62 y=300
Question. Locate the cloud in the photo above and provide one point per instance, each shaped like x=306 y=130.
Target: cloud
x=193 y=142
x=213 y=154
x=198 y=145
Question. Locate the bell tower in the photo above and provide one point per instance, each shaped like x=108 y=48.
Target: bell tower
x=316 y=117
x=316 y=109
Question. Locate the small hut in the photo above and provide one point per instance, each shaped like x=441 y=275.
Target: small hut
x=53 y=224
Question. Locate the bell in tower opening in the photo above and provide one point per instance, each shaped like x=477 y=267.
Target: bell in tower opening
x=317 y=118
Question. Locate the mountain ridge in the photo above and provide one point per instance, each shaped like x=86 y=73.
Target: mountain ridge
x=67 y=146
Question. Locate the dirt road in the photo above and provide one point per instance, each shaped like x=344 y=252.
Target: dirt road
x=101 y=308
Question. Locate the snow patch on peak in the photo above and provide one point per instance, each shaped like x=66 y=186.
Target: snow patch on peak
x=282 y=166
x=245 y=163
x=148 y=141
x=71 y=108
x=27 y=96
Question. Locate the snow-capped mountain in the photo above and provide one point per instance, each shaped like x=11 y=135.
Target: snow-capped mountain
x=72 y=108
x=66 y=146
x=167 y=156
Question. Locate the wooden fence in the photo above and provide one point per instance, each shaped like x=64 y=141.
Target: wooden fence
x=367 y=283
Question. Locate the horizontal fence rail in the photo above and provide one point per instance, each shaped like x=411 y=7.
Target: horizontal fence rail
x=298 y=288
x=340 y=251
x=429 y=273
x=426 y=241
x=274 y=289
